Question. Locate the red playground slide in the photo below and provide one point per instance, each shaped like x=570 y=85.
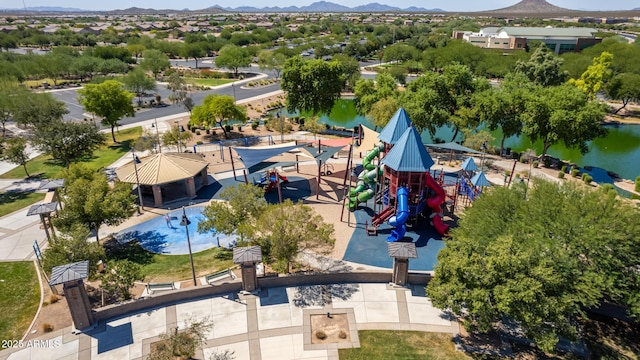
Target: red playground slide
x=434 y=203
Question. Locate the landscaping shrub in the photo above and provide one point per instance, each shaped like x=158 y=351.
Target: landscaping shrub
x=536 y=163
x=46 y=327
x=254 y=125
x=561 y=174
x=199 y=143
x=342 y=334
x=197 y=132
x=321 y=335
x=239 y=127
x=209 y=131
x=587 y=179
x=575 y=172
x=227 y=128
x=564 y=168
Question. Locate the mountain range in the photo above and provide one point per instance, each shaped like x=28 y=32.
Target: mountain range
x=319 y=7
x=326 y=6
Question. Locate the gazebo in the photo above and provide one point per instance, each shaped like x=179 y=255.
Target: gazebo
x=167 y=176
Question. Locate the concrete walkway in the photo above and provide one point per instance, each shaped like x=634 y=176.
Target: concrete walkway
x=274 y=324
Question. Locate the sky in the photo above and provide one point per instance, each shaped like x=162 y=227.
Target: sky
x=447 y=5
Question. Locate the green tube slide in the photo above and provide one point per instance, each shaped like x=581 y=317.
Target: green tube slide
x=360 y=186
x=365 y=188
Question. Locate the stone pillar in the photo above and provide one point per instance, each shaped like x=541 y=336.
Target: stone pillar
x=157 y=195
x=78 y=303
x=249 y=277
x=191 y=187
x=400 y=271
x=205 y=177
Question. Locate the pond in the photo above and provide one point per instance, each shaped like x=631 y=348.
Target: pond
x=619 y=151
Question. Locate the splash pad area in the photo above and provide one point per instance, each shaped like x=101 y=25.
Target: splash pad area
x=168 y=237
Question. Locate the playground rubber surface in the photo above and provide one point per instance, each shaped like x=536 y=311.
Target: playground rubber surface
x=372 y=249
x=298 y=188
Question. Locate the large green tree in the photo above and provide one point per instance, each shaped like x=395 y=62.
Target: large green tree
x=67 y=142
x=563 y=114
x=10 y=94
x=269 y=60
x=15 y=151
x=238 y=214
x=138 y=83
x=108 y=100
x=90 y=201
x=624 y=87
x=367 y=93
x=595 y=77
x=434 y=100
x=543 y=68
x=218 y=109
x=312 y=85
x=193 y=50
x=71 y=246
x=233 y=57
x=284 y=230
x=155 y=61
x=500 y=107
x=540 y=259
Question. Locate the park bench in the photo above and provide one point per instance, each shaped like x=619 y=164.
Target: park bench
x=211 y=278
x=151 y=288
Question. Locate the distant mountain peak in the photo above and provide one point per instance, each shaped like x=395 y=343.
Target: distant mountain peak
x=531 y=6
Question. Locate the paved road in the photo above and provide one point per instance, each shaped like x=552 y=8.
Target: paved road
x=77 y=112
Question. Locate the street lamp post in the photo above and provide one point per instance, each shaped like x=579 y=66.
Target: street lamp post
x=136 y=161
x=234 y=92
x=178 y=130
x=185 y=222
x=157 y=135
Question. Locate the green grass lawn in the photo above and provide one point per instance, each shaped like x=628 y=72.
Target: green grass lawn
x=208 y=82
x=163 y=268
x=380 y=344
x=19 y=298
x=16 y=200
x=43 y=166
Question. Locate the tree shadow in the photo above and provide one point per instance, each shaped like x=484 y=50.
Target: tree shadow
x=130 y=250
x=321 y=295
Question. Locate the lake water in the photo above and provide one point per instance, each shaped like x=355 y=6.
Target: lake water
x=619 y=151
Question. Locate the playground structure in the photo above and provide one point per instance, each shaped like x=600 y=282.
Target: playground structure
x=269 y=180
x=400 y=181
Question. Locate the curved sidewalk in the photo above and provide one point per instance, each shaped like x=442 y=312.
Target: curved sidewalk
x=275 y=324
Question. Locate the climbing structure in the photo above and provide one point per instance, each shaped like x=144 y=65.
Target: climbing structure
x=405 y=182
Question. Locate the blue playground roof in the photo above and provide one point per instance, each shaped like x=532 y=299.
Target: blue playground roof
x=408 y=154
x=480 y=180
x=395 y=128
x=469 y=165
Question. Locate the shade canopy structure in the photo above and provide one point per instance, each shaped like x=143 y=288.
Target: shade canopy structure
x=42 y=209
x=51 y=184
x=69 y=272
x=402 y=250
x=469 y=165
x=454 y=147
x=408 y=154
x=162 y=168
x=248 y=254
x=480 y=179
x=255 y=158
x=369 y=139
